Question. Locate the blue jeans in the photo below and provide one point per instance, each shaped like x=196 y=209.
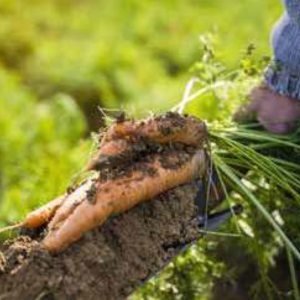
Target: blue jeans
x=283 y=76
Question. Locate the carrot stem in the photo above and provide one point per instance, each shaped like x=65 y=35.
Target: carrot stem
x=12 y=227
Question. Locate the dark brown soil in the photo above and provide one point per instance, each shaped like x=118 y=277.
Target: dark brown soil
x=108 y=263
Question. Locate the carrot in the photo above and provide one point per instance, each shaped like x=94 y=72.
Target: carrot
x=151 y=172
x=107 y=152
x=43 y=214
x=119 y=195
x=70 y=203
x=39 y=216
x=163 y=129
x=118 y=143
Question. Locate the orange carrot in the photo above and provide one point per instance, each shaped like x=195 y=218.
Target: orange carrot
x=72 y=214
x=111 y=149
x=119 y=195
x=121 y=137
x=71 y=202
x=162 y=129
x=39 y=216
x=43 y=214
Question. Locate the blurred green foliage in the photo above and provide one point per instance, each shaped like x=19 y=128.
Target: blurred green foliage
x=40 y=147
x=131 y=53
x=61 y=59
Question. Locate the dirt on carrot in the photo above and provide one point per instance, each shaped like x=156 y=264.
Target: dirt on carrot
x=140 y=162
x=128 y=140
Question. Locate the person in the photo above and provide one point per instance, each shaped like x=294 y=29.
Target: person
x=276 y=102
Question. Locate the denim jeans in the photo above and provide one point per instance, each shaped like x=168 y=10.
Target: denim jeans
x=283 y=75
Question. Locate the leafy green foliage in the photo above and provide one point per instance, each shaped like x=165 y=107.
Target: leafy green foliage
x=260 y=168
x=38 y=150
x=189 y=277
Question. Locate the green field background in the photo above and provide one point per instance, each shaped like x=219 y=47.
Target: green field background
x=62 y=59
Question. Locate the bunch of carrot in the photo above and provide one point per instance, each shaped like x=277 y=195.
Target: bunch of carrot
x=88 y=206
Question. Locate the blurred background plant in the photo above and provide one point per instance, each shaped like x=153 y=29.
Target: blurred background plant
x=62 y=59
